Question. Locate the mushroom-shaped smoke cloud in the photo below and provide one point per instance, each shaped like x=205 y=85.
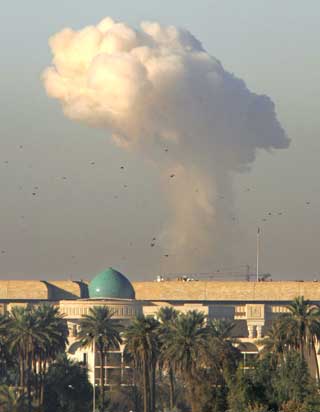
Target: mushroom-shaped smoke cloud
x=158 y=91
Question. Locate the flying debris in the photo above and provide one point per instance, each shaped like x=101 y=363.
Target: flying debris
x=166 y=256
x=269 y=214
x=172 y=175
x=308 y=203
x=152 y=244
x=64 y=178
x=34 y=193
x=122 y=167
x=166 y=150
x=3 y=251
x=92 y=163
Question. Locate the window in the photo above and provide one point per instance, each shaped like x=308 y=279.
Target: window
x=114 y=359
x=249 y=359
x=127 y=376
x=113 y=376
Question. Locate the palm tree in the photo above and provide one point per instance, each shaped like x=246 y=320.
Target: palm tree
x=185 y=347
x=141 y=339
x=167 y=316
x=5 y=357
x=276 y=343
x=35 y=334
x=302 y=323
x=99 y=330
x=55 y=331
x=24 y=336
x=221 y=356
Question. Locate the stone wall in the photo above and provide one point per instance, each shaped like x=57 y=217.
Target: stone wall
x=23 y=290
x=226 y=291
x=168 y=290
x=42 y=290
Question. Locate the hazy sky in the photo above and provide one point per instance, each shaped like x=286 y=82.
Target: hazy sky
x=82 y=219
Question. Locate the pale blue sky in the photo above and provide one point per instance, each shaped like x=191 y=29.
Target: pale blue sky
x=74 y=226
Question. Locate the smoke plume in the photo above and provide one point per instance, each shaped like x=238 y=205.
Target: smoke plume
x=157 y=91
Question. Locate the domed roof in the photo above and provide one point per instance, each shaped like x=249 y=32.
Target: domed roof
x=111 y=284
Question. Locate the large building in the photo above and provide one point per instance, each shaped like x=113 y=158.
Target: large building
x=251 y=305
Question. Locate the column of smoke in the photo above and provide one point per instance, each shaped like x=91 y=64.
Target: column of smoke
x=157 y=91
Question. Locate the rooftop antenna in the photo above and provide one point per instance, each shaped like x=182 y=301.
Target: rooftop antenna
x=258 y=251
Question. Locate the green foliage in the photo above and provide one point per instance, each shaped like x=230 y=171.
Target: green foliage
x=67 y=388
x=274 y=388
x=11 y=400
x=180 y=363
x=143 y=346
x=100 y=331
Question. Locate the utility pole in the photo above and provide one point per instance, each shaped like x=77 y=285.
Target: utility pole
x=258 y=252
x=94 y=376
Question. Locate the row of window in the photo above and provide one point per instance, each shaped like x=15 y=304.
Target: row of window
x=115 y=376
x=118 y=311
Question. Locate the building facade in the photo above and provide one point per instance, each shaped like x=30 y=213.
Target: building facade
x=252 y=306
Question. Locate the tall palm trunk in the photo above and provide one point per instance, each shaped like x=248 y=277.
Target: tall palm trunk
x=43 y=371
x=153 y=386
x=314 y=353
x=301 y=350
x=171 y=394
x=102 y=380
x=194 y=402
x=146 y=391
x=29 y=370
x=21 y=367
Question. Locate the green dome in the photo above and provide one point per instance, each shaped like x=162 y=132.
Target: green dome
x=111 y=284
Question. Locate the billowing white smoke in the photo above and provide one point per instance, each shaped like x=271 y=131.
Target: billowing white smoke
x=158 y=91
